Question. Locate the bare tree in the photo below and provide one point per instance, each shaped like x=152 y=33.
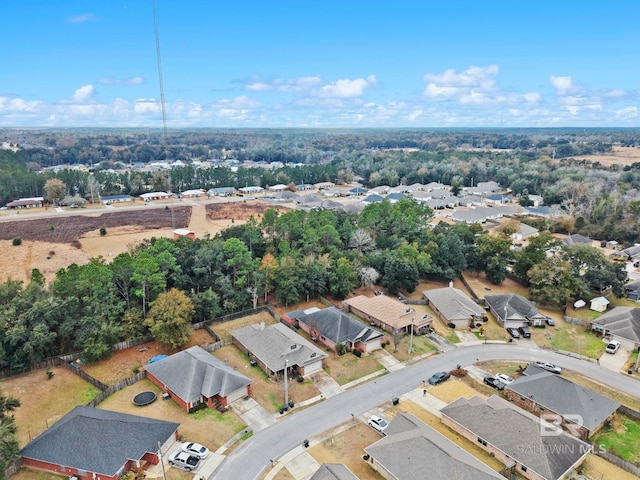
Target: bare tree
x=368 y=276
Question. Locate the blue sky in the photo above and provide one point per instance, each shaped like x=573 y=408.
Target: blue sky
x=348 y=63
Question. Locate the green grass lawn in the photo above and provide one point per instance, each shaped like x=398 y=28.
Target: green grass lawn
x=576 y=339
x=621 y=439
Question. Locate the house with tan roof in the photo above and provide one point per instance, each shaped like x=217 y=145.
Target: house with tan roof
x=388 y=313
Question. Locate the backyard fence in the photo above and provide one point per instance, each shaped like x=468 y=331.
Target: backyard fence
x=618 y=462
x=116 y=387
x=577 y=321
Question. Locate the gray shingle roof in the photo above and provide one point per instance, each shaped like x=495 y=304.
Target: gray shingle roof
x=277 y=343
x=518 y=307
x=333 y=471
x=453 y=304
x=195 y=372
x=621 y=321
x=565 y=398
x=518 y=434
x=98 y=440
x=414 y=451
x=339 y=327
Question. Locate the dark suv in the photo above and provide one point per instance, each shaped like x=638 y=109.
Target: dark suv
x=525 y=332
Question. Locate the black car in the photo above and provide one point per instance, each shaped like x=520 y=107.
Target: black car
x=439 y=377
x=513 y=332
x=494 y=383
x=525 y=332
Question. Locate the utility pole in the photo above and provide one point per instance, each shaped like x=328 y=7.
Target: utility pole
x=164 y=474
x=286 y=384
x=413 y=319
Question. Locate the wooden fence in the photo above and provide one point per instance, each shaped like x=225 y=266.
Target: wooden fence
x=618 y=462
x=577 y=321
x=116 y=387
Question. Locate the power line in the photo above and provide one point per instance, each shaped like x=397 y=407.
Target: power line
x=164 y=111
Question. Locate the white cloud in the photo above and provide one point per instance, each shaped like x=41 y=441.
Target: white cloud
x=143 y=105
x=85 y=17
x=565 y=85
x=122 y=81
x=627 y=113
x=241 y=101
x=294 y=85
x=474 y=86
x=346 y=88
x=10 y=105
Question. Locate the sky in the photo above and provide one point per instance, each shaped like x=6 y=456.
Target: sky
x=311 y=64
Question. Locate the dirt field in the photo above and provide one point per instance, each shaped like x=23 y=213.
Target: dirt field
x=56 y=241
x=620 y=156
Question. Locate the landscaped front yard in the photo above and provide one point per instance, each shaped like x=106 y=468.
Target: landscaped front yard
x=347 y=368
x=268 y=393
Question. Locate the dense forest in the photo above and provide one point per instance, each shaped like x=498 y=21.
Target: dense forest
x=164 y=286
x=599 y=201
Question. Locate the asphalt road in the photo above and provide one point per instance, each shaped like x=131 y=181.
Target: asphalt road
x=251 y=459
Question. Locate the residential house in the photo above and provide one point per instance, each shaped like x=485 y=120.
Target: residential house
x=357 y=192
x=221 y=192
x=388 y=313
x=333 y=471
x=331 y=326
x=599 y=304
x=514 y=311
x=453 y=306
x=304 y=187
x=579 y=410
x=630 y=254
x=524 y=231
x=109 y=199
x=148 y=197
x=95 y=444
x=197 y=193
x=278 y=188
x=632 y=290
x=621 y=323
x=515 y=438
x=32 y=202
x=324 y=185
x=194 y=377
x=396 y=197
x=249 y=190
x=577 y=239
x=411 y=450
x=277 y=347
x=372 y=198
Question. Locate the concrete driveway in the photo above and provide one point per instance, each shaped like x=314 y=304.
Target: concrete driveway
x=616 y=361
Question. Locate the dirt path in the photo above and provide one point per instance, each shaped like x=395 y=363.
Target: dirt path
x=198 y=222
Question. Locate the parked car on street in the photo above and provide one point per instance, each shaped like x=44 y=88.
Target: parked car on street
x=494 y=383
x=612 y=347
x=184 y=460
x=439 y=377
x=513 y=332
x=506 y=379
x=377 y=423
x=195 y=449
x=550 y=367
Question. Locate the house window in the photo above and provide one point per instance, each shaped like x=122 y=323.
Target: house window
x=524 y=469
x=522 y=398
x=482 y=442
x=541 y=408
